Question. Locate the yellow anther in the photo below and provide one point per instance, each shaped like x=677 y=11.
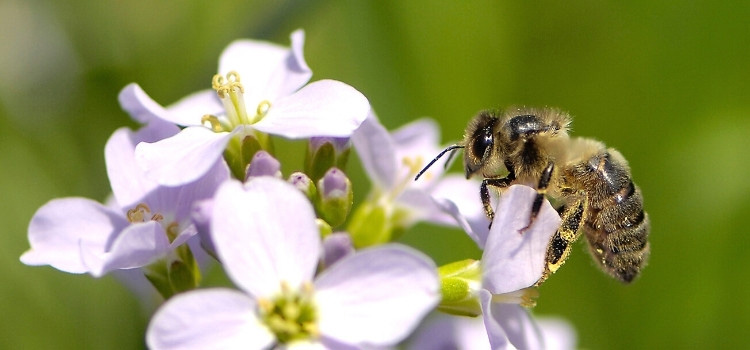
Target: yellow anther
x=312 y=329
x=265 y=305
x=213 y=121
x=307 y=288
x=139 y=213
x=173 y=230
x=223 y=85
x=413 y=163
x=529 y=296
x=263 y=108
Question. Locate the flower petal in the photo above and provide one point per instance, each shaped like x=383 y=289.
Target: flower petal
x=136 y=246
x=495 y=332
x=451 y=332
x=376 y=151
x=178 y=201
x=182 y=158
x=460 y=199
x=322 y=108
x=189 y=111
x=129 y=183
x=60 y=228
x=376 y=296
x=208 y=319
x=512 y=259
x=558 y=333
x=509 y=323
x=417 y=143
x=267 y=71
x=139 y=105
x=265 y=235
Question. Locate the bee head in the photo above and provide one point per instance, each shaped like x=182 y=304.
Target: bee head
x=479 y=141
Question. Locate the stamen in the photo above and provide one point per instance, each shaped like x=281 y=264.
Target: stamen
x=230 y=92
x=525 y=297
x=265 y=305
x=291 y=315
x=262 y=109
x=173 y=230
x=413 y=163
x=139 y=213
x=213 y=121
x=224 y=86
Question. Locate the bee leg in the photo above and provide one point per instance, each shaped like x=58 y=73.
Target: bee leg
x=485 y=193
x=541 y=190
x=561 y=243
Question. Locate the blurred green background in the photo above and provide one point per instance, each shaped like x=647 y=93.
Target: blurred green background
x=666 y=83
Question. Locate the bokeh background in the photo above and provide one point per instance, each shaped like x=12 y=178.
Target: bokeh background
x=667 y=83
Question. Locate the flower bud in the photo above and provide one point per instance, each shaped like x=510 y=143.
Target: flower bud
x=324 y=153
x=336 y=246
x=263 y=164
x=335 y=197
x=304 y=184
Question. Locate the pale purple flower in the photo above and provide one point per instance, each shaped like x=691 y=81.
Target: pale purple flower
x=260 y=88
x=269 y=244
x=445 y=332
x=145 y=222
x=469 y=333
x=513 y=261
x=392 y=160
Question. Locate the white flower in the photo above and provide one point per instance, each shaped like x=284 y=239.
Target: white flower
x=514 y=260
x=469 y=333
x=146 y=222
x=260 y=89
x=268 y=242
x=392 y=160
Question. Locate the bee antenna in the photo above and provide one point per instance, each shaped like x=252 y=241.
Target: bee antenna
x=451 y=148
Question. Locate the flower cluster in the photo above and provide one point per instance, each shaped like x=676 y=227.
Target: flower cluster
x=311 y=269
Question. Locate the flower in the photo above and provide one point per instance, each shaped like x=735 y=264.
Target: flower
x=469 y=333
x=145 y=223
x=260 y=89
x=502 y=282
x=266 y=237
x=392 y=160
x=513 y=261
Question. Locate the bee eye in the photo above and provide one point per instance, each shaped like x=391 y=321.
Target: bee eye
x=482 y=141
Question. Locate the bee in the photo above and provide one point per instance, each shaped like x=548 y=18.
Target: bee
x=592 y=183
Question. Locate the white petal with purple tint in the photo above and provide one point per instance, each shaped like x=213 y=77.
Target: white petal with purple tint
x=265 y=235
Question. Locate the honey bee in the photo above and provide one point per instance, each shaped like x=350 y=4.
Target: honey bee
x=593 y=184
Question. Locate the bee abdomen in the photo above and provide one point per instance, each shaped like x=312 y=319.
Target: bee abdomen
x=623 y=252
x=617 y=228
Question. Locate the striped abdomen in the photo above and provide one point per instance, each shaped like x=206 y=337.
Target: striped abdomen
x=615 y=224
